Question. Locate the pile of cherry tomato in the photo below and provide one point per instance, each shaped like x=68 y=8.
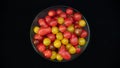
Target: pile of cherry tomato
x=60 y=34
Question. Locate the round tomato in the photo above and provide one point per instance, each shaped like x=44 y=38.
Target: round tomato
x=47 y=53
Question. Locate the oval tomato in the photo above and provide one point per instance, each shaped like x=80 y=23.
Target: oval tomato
x=84 y=34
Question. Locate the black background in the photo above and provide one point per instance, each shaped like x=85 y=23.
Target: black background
x=102 y=16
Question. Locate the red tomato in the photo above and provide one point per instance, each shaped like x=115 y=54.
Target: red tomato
x=52 y=13
x=51 y=37
x=67 y=34
x=47 y=53
x=68 y=21
x=77 y=16
x=63 y=14
x=41 y=47
x=62 y=28
x=53 y=23
x=84 y=34
x=44 y=31
x=62 y=49
x=78 y=49
x=42 y=23
x=38 y=37
x=74 y=40
x=48 y=19
x=59 y=11
x=66 y=55
x=69 y=11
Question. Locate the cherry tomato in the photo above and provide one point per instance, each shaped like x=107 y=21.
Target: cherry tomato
x=68 y=46
x=41 y=47
x=74 y=40
x=62 y=28
x=44 y=31
x=52 y=13
x=36 y=29
x=53 y=23
x=66 y=55
x=38 y=37
x=54 y=54
x=57 y=43
x=59 y=57
x=48 y=19
x=71 y=28
x=69 y=11
x=78 y=49
x=59 y=36
x=67 y=34
x=47 y=53
x=51 y=37
x=72 y=50
x=65 y=41
x=46 y=41
x=84 y=34
x=55 y=30
x=82 y=41
x=60 y=20
x=82 y=23
x=42 y=23
x=63 y=15
x=68 y=22
x=77 y=16
x=59 y=11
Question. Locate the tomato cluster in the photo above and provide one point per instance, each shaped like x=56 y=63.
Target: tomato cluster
x=60 y=34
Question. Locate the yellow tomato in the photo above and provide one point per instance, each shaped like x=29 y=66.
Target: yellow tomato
x=46 y=41
x=82 y=23
x=65 y=41
x=82 y=41
x=59 y=57
x=55 y=30
x=68 y=46
x=60 y=20
x=35 y=29
x=59 y=36
x=57 y=43
x=54 y=54
x=70 y=28
x=72 y=50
